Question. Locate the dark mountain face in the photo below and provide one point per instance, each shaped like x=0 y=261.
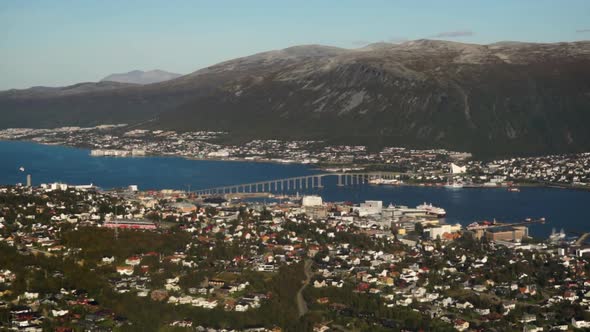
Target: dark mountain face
x=80 y=88
x=498 y=99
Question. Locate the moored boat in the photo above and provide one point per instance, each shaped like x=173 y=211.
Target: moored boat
x=454 y=185
x=382 y=181
x=433 y=210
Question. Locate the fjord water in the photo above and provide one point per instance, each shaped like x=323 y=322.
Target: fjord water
x=562 y=208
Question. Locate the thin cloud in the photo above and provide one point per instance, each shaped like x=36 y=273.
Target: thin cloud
x=454 y=34
x=583 y=30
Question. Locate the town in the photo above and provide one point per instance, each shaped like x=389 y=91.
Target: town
x=79 y=258
x=415 y=167
x=294 y=166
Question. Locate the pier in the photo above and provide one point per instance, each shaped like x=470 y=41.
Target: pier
x=502 y=224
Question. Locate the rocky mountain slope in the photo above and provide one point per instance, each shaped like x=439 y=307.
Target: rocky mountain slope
x=498 y=99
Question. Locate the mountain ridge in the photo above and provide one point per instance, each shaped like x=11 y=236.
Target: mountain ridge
x=496 y=99
x=141 y=77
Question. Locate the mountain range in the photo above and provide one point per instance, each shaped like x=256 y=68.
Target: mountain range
x=500 y=99
x=141 y=77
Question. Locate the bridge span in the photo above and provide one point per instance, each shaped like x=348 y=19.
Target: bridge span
x=582 y=239
x=297 y=183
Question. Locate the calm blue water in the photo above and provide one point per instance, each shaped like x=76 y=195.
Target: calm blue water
x=561 y=208
x=76 y=166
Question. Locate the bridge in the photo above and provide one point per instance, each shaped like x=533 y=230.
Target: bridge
x=582 y=239
x=298 y=183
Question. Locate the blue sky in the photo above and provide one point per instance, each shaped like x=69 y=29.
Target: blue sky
x=62 y=42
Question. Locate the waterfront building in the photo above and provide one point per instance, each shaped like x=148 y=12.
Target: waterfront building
x=438 y=232
x=514 y=234
x=456 y=169
x=54 y=186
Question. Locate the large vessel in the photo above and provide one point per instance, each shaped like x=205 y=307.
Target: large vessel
x=439 y=212
x=393 y=182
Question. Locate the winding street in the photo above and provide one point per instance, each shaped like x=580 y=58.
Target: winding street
x=301 y=304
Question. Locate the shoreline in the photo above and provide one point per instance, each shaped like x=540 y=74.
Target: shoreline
x=151 y=155
x=314 y=166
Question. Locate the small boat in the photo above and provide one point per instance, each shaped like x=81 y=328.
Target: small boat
x=514 y=189
x=454 y=185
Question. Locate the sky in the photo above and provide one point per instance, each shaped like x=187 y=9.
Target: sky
x=62 y=42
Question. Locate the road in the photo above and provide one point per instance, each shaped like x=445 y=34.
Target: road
x=301 y=304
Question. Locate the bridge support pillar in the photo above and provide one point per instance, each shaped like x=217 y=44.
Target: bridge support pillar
x=339 y=180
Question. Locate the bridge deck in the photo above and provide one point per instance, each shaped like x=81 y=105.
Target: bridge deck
x=298 y=182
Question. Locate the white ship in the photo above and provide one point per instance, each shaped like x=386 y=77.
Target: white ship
x=554 y=237
x=439 y=212
x=380 y=181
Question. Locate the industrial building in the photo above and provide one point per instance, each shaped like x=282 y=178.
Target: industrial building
x=369 y=208
x=509 y=233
